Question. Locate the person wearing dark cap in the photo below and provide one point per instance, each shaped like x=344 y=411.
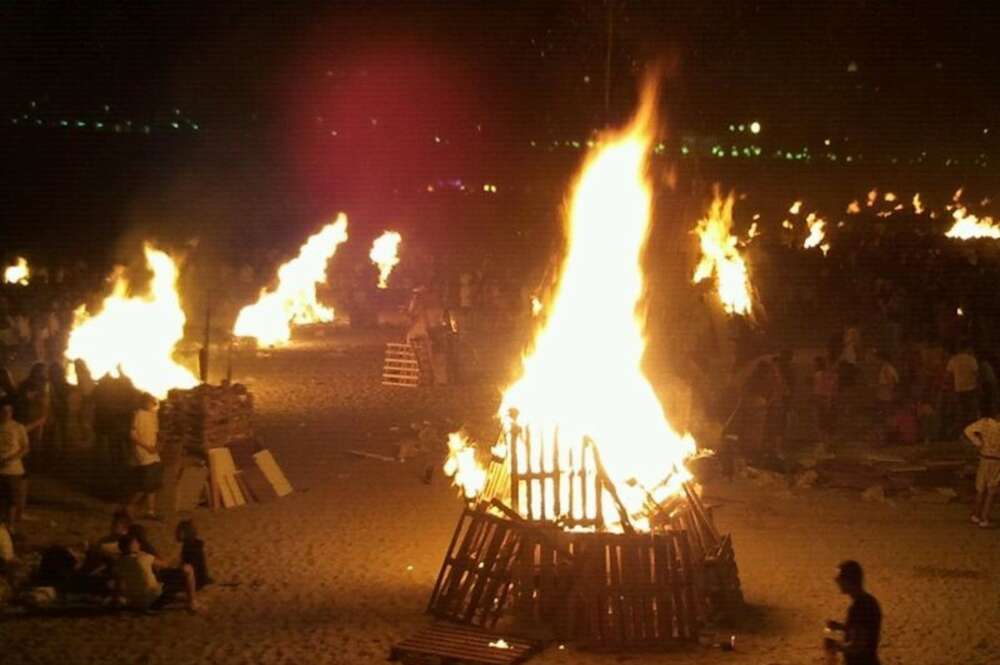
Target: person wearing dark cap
x=864 y=619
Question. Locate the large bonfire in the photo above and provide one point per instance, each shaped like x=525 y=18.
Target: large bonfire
x=293 y=300
x=583 y=379
x=133 y=334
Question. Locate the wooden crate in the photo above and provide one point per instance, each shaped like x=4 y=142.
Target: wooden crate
x=400 y=367
x=477 y=574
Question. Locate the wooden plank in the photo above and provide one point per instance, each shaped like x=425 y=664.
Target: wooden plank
x=401 y=377
x=266 y=463
x=190 y=488
x=221 y=468
x=444 y=566
x=690 y=609
x=257 y=484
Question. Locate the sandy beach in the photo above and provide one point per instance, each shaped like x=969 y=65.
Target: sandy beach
x=341 y=569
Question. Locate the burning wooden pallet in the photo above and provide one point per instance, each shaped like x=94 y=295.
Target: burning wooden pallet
x=450 y=643
x=477 y=574
x=536 y=545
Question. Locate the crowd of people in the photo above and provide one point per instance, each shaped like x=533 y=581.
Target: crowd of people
x=120 y=570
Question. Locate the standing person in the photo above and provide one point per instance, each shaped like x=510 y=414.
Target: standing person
x=988 y=402
x=985 y=435
x=887 y=384
x=33 y=407
x=14 y=447
x=963 y=371
x=144 y=461
x=864 y=619
x=824 y=390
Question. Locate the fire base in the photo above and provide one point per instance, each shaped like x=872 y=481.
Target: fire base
x=598 y=590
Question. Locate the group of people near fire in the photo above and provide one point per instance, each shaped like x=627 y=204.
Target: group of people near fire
x=910 y=359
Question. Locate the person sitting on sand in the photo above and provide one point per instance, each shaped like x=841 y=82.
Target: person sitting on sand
x=864 y=619
x=985 y=435
x=105 y=551
x=139 y=532
x=144 y=460
x=144 y=582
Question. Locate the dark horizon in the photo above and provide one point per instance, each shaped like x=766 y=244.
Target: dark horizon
x=803 y=69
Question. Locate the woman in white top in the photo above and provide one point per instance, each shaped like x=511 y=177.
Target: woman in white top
x=13 y=481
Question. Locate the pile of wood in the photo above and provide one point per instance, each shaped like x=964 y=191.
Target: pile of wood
x=206 y=417
x=223 y=481
x=515 y=554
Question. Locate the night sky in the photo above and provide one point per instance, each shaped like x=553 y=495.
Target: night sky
x=920 y=67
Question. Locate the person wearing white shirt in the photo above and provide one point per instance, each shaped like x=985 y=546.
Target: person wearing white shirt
x=13 y=480
x=964 y=371
x=985 y=435
x=144 y=458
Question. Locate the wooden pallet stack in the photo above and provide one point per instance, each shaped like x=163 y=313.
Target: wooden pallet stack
x=516 y=553
x=206 y=417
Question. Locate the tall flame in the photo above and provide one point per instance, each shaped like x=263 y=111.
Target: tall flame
x=17 y=273
x=136 y=335
x=385 y=254
x=294 y=299
x=720 y=256
x=594 y=315
x=968 y=226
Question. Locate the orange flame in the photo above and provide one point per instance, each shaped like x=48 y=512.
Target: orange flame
x=136 y=335
x=720 y=256
x=19 y=273
x=385 y=254
x=968 y=226
x=817 y=233
x=463 y=466
x=595 y=307
x=294 y=299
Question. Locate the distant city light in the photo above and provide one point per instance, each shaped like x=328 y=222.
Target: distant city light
x=755 y=127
